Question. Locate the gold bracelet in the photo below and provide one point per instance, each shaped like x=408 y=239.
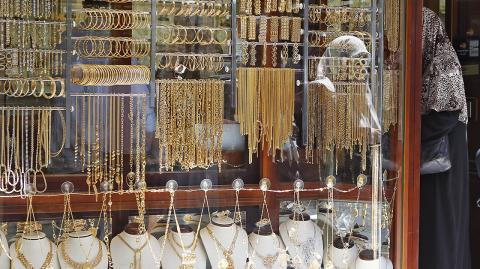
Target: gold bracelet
x=252 y=28
x=284 y=28
x=296 y=29
x=274 y=29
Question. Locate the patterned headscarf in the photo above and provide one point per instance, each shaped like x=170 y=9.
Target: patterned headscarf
x=443 y=88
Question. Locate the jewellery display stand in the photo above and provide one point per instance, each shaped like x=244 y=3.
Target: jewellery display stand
x=221 y=244
x=303 y=239
x=82 y=249
x=341 y=256
x=132 y=250
x=267 y=250
x=4 y=252
x=366 y=261
x=172 y=257
x=36 y=250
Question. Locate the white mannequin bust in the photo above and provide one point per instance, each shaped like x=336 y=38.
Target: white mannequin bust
x=224 y=230
x=82 y=247
x=341 y=254
x=365 y=261
x=35 y=247
x=145 y=253
x=303 y=239
x=171 y=256
x=4 y=252
x=266 y=250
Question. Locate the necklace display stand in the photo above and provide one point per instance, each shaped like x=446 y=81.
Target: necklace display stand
x=173 y=249
x=342 y=256
x=265 y=249
x=35 y=248
x=4 y=260
x=303 y=239
x=82 y=248
x=365 y=261
x=132 y=249
x=224 y=230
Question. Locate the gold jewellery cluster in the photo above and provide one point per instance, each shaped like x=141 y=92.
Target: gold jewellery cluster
x=197 y=62
x=111 y=47
x=22 y=87
x=110 y=75
x=282 y=6
x=257 y=28
x=46 y=10
x=30 y=31
x=322 y=39
x=25 y=147
x=276 y=27
x=330 y=16
x=265 y=107
x=101 y=126
x=31 y=34
x=190 y=122
x=122 y=1
x=195 y=8
x=335 y=120
x=31 y=62
x=348 y=69
x=189 y=35
x=111 y=19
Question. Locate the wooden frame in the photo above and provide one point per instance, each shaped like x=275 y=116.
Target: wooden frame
x=408 y=219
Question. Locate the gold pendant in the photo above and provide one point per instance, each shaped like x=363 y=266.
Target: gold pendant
x=188 y=260
x=228 y=258
x=268 y=261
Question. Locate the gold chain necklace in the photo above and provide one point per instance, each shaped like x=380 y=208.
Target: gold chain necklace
x=85 y=265
x=137 y=263
x=46 y=264
x=181 y=245
x=188 y=257
x=268 y=260
x=227 y=253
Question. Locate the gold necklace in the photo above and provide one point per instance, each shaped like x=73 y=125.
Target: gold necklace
x=268 y=260
x=46 y=264
x=137 y=263
x=227 y=253
x=181 y=245
x=392 y=24
x=188 y=257
x=85 y=265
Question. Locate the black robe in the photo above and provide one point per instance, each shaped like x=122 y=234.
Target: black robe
x=444 y=199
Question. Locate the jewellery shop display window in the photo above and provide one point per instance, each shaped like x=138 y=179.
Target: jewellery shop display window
x=200 y=133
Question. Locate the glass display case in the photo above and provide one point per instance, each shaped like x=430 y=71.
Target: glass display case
x=201 y=134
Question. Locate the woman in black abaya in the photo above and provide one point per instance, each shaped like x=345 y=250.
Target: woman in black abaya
x=444 y=199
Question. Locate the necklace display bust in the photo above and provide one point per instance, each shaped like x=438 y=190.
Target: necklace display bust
x=342 y=253
x=225 y=241
x=33 y=250
x=303 y=239
x=266 y=249
x=132 y=249
x=82 y=250
x=366 y=260
x=4 y=260
x=172 y=256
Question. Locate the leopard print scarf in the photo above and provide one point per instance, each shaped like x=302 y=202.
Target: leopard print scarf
x=443 y=88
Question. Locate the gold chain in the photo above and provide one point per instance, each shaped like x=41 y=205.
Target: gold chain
x=46 y=264
x=85 y=265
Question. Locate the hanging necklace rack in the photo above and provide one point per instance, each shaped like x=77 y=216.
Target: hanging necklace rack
x=100 y=123
x=25 y=148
